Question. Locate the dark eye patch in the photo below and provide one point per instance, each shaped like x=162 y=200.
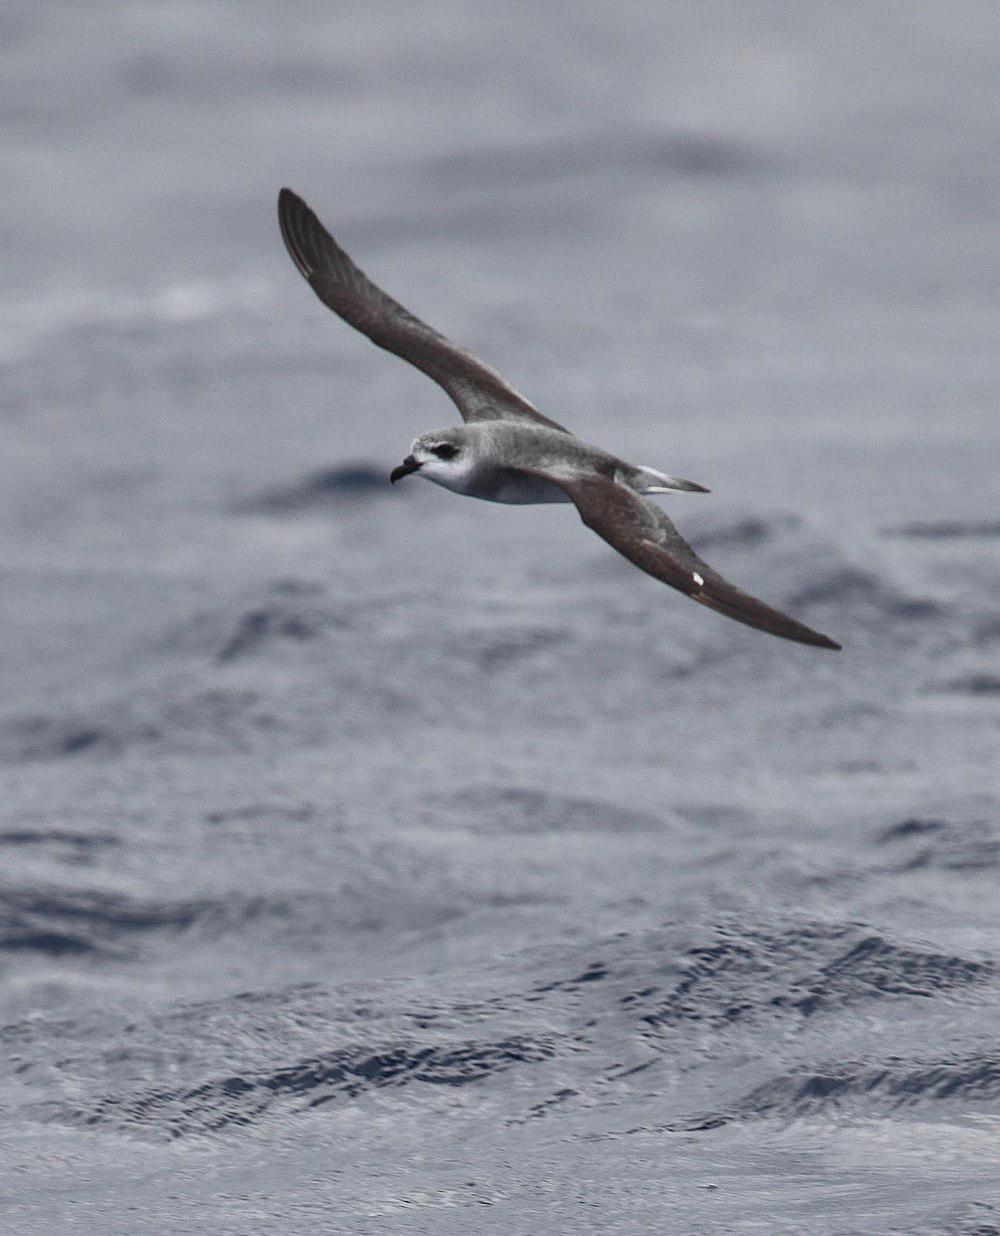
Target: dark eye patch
x=445 y=450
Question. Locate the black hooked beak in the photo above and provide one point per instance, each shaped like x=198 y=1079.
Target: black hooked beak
x=408 y=465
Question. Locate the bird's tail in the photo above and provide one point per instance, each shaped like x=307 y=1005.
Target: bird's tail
x=651 y=481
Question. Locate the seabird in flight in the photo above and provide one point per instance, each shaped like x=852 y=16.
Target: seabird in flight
x=507 y=451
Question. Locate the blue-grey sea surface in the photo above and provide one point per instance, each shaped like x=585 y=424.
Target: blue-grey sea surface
x=376 y=860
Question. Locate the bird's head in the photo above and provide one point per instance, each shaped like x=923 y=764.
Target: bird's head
x=444 y=456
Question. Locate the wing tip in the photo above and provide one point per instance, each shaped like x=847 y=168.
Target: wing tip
x=290 y=204
x=816 y=640
x=292 y=211
x=801 y=634
x=752 y=612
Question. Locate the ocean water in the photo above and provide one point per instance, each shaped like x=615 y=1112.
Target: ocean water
x=375 y=860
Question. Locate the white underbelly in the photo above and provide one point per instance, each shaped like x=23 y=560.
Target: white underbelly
x=527 y=491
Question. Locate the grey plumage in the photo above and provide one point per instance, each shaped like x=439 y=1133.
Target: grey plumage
x=508 y=451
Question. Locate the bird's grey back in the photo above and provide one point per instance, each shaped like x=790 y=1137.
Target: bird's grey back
x=511 y=456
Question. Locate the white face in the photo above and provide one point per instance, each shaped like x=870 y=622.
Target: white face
x=444 y=462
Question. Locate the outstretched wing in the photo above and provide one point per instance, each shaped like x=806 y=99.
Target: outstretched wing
x=479 y=393
x=642 y=533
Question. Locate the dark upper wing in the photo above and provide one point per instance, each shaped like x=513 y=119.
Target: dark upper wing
x=642 y=533
x=479 y=393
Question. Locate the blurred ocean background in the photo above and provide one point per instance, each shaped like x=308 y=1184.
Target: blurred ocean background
x=375 y=860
